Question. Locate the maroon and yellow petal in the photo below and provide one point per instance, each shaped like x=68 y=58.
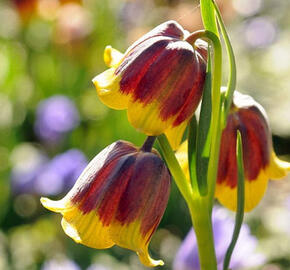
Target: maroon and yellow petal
x=146 y=119
x=83 y=228
x=129 y=236
x=163 y=98
x=108 y=90
x=119 y=199
x=141 y=206
x=254 y=192
x=137 y=62
x=85 y=218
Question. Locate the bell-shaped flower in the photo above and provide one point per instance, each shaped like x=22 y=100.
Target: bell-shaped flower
x=159 y=80
x=119 y=199
x=260 y=160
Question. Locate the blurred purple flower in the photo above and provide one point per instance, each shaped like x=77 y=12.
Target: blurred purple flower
x=46 y=177
x=62 y=264
x=60 y=173
x=131 y=13
x=98 y=267
x=56 y=116
x=23 y=177
x=244 y=254
x=260 y=32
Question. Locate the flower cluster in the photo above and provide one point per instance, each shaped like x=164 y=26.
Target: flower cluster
x=121 y=196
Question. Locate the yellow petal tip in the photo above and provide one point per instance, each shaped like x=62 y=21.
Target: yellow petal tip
x=70 y=231
x=278 y=168
x=148 y=261
x=55 y=206
x=112 y=57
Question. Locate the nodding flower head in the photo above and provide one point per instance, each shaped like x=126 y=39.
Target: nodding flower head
x=119 y=199
x=260 y=161
x=159 y=80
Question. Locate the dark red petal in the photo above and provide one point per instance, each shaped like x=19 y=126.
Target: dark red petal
x=115 y=186
x=160 y=76
x=89 y=193
x=155 y=210
x=136 y=64
x=256 y=145
x=146 y=195
x=170 y=29
x=227 y=169
x=256 y=142
x=198 y=72
x=181 y=81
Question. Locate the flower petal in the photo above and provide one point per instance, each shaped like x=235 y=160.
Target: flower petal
x=108 y=89
x=254 y=192
x=175 y=134
x=146 y=118
x=112 y=57
x=86 y=229
x=278 y=168
x=129 y=236
x=141 y=206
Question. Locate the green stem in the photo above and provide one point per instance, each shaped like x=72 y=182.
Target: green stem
x=201 y=220
x=240 y=202
x=182 y=183
x=197 y=205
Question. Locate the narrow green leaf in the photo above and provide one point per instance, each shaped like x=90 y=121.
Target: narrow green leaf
x=207 y=14
x=191 y=149
x=241 y=203
x=203 y=134
x=232 y=64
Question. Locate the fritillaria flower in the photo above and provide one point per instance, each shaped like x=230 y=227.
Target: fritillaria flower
x=159 y=80
x=244 y=255
x=119 y=199
x=260 y=161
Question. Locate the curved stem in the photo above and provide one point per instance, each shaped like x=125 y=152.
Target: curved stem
x=198 y=207
x=182 y=183
x=148 y=144
x=240 y=200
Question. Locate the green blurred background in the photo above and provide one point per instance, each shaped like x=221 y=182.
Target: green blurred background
x=49 y=52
